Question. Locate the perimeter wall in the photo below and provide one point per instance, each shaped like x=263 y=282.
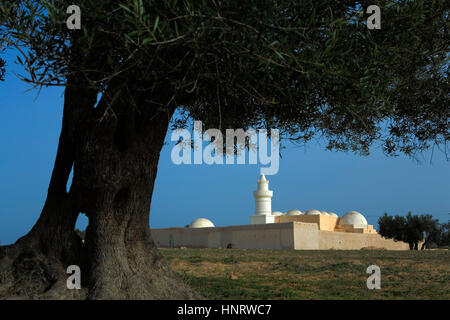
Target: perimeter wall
x=288 y=235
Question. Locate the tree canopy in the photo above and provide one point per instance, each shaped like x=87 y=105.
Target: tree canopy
x=412 y=229
x=444 y=236
x=309 y=68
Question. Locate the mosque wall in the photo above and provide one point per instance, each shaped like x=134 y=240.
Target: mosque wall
x=276 y=237
x=324 y=222
x=306 y=236
x=267 y=236
x=355 y=241
x=290 y=235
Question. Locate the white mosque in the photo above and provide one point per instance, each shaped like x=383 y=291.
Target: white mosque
x=294 y=229
x=352 y=221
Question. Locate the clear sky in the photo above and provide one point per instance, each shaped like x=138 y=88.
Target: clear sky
x=308 y=177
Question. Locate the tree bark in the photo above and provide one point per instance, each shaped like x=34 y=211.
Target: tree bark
x=114 y=150
x=34 y=266
x=116 y=171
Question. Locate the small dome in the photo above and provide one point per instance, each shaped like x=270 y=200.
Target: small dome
x=201 y=223
x=294 y=213
x=312 y=212
x=277 y=213
x=324 y=213
x=332 y=214
x=353 y=218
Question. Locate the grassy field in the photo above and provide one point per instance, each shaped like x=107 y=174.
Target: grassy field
x=331 y=274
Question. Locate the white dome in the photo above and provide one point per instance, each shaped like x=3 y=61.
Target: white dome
x=201 y=223
x=277 y=213
x=353 y=218
x=324 y=213
x=312 y=212
x=332 y=214
x=294 y=213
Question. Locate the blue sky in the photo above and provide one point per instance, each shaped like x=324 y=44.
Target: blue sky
x=308 y=178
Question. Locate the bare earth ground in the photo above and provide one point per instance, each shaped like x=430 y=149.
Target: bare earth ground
x=330 y=274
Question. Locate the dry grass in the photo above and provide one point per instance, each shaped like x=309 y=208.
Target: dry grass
x=331 y=274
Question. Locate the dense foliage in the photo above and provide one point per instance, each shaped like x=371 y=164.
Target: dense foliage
x=414 y=229
x=309 y=68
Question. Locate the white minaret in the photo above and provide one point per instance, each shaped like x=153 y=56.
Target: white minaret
x=263 y=203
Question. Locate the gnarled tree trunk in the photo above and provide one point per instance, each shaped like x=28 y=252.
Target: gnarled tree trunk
x=114 y=150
